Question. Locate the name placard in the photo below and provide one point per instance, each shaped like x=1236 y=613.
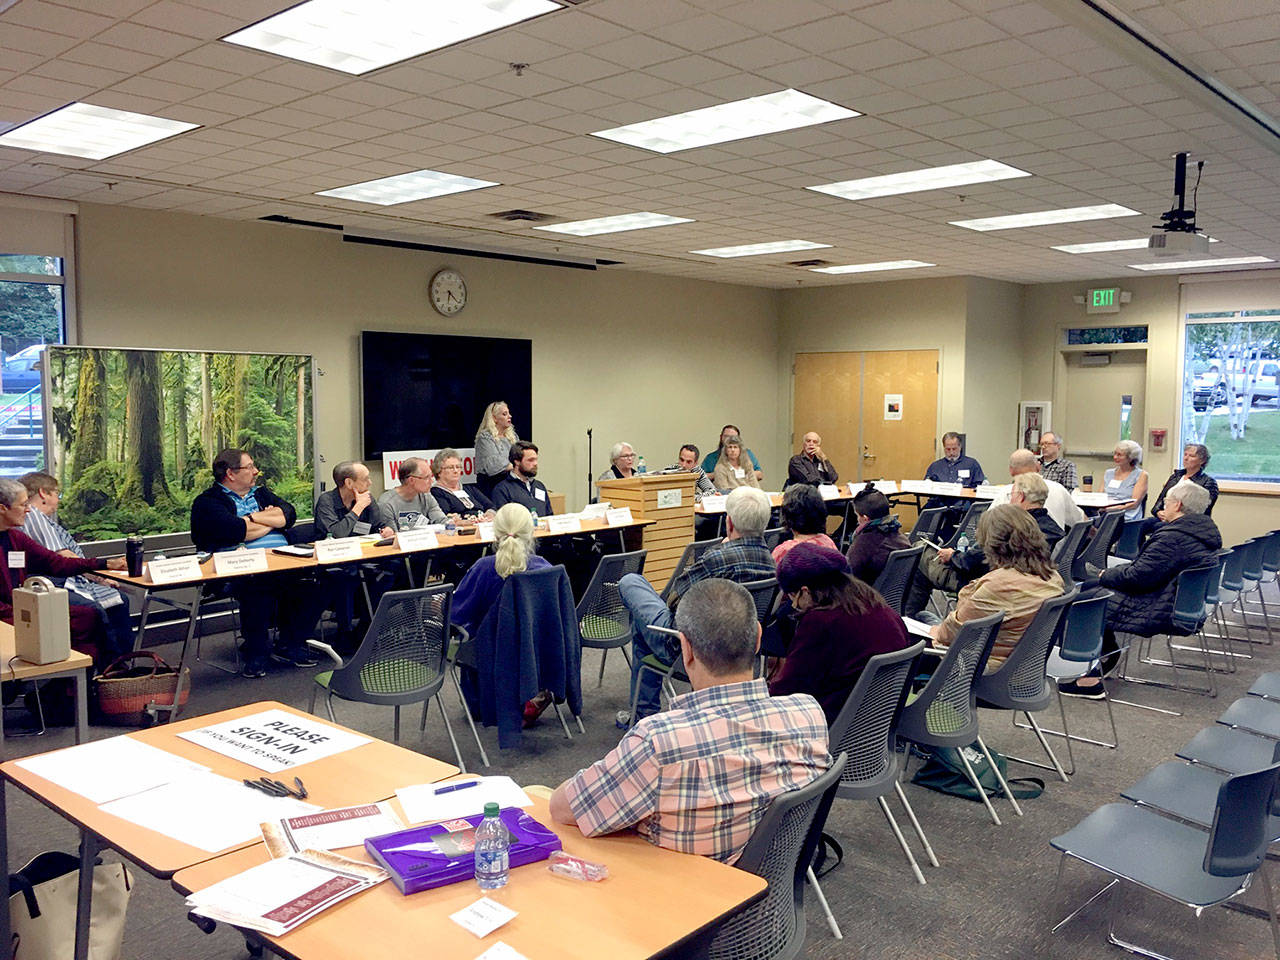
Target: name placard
x=670 y=498
x=417 y=540
x=174 y=570
x=594 y=511
x=988 y=491
x=240 y=561
x=564 y=525
x=883 y=486
x=917 y=486
x=715 y=503
x=338 y=549
x=828 y=491
x=619 y=517
x=485 y=531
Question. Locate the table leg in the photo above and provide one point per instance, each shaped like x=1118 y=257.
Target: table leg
x=81 y=678
x=173 y=709
x=89 y=847
x=142 y=620
x=408 y=572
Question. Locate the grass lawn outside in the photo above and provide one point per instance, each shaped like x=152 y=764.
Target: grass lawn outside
x=1257 y=456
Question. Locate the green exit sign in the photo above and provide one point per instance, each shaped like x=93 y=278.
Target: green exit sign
x=1102 y=300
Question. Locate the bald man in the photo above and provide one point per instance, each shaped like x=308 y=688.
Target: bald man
x=811 y=465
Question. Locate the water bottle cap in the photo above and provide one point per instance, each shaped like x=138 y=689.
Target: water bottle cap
x=491 y=809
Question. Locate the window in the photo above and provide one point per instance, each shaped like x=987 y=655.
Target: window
x=1231 y=391
x=1090 y=335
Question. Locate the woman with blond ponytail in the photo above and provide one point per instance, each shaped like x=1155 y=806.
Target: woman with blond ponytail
x=513 y=553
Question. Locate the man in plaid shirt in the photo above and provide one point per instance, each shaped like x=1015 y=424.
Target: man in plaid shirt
x=1052 y=465
x=699 y=777
x=742 y=557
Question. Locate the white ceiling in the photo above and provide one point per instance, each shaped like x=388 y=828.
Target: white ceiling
x=1046 y=86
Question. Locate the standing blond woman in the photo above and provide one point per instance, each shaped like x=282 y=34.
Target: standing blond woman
x=493 y=445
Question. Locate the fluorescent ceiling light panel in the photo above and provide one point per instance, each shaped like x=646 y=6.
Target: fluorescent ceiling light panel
x=754 y=117
x=872 y=267
x=1192 y=264
x=913 y=181
x=356 y=36
x=1106 y=246
x=623 y=221
x=83 y=130
x=1040 y=218
x=403 y=187
x=756 y=249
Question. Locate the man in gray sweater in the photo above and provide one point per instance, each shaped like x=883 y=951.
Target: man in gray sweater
x=411 y=504
x=348 y=509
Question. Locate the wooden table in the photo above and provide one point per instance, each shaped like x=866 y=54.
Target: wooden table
x=76 y=666
x=653 y=902
x=372 y=771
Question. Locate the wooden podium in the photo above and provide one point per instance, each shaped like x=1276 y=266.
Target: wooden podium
x=665 y=498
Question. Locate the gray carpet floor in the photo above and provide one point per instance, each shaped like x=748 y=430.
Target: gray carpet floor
x=992 y=897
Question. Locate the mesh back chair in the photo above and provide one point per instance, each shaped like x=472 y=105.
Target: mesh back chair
x=945 y=714
x=1179 y=861
x=1092 y=560
x=895 y=579
x=774 y=536
x=1130 y=540
x=928 y=524
x=764 y=593
x=603 y=619
x=1213 y=609
x=1230 y=586
x=1254 y=575
x=1066 y=549
x=1020 y=683
x=1187 y=620
x=403 y=659
x=968 y=526
x=780 y=850
x=692 y=551
x=673 y=671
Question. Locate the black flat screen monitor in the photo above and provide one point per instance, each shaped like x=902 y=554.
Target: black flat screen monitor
x=423 y=391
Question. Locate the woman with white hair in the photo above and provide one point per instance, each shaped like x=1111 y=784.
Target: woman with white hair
x=1127 y=480
x=513 y=553
x=622 y=462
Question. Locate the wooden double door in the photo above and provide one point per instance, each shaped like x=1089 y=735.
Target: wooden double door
x=876 y=410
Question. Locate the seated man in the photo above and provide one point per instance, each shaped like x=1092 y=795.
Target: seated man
x=1052 y=464
x=699 y=777
x=110 y=605
x=687 y=462
x=26 y=558
x=348 y=509
x=742 y=557
x=410 y=504
x=236 y=512
x=811 y=465
x=1061 y=507
x=954 y=468
x=521 y=484
x=727 y=431
x=877 y=535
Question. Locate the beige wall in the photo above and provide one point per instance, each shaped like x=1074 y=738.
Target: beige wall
x=992 y=372
x=653 y=360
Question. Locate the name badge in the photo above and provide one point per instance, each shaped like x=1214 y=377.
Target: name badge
x=539 y=494
x=17 y=558
x=174 y=570
x=361 y=529
x=253 y=560
x=417 y=540
x=828 y=491
x=337 y=549
x=619 y=517
x=564 y=524
x=962 y=474
x=739 y=472
x=1113 y=485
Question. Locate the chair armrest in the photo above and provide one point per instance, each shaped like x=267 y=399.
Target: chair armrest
x=326 y=649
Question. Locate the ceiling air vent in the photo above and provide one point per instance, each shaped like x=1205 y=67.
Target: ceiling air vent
x=810 y=263
x=514 y=215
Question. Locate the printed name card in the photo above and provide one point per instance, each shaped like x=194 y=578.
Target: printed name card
x=595 y=511
x=989 y=491
x=619 y=517
x=570 y=524
x=174 y=570
x=715 y=503
x=917 y=486
x=883 y=486
x=947 y=488
x=828 y=491
x=417 y=540
x=240 y=561
x=339 y=548
x=485 y=531
x=670 y=498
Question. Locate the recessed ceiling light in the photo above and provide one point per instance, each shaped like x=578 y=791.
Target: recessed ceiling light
x=617 y=224
x=754 y=117
x=931 y=178
x=755 y=249
x=872 y=267
x=1192 y=264
x=83 y=130
x=1102 y=211
x=403 y=187
x=356 y=36
x=1105 y=246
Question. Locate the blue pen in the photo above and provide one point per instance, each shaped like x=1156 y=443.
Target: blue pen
x=457 y=786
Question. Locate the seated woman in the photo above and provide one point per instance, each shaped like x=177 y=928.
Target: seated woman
x=1195 y=457
x=622 y=462
x=1126 y=480
x=842 y=624
x=877 y=535
x=733 y=468
x=1144 y=589
x=452 y=494
x=1020 y=579
x=804 y=513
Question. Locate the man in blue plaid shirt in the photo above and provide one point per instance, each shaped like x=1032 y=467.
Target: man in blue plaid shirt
x=742 y=557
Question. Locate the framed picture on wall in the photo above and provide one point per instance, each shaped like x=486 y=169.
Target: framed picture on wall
x=1033 y=422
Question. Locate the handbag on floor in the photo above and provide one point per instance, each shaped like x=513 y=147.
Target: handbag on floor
x=42 y=908
x=124 y=690
x=945 y=773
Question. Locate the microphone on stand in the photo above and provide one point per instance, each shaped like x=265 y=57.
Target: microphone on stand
x=589 y=458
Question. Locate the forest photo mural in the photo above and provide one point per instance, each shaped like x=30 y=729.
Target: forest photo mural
x=131 y=434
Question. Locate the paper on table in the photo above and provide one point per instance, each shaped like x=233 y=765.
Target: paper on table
x=500 y=951
x=329 y=829
x=423 y=803
x=205 y=810
x=106 y=770
x=482 y=917
x=275 y=740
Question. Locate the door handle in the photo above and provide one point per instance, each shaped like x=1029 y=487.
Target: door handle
x=867 y=454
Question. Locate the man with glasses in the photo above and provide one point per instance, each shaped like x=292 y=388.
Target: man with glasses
x=410 y=504
x=1052 y=466
x=348 y=509
x=236 y=511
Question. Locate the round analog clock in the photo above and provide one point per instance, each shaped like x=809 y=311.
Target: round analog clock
x=448 y=292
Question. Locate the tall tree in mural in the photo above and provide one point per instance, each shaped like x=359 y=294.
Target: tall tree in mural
x=89 y=429
x=144 y=424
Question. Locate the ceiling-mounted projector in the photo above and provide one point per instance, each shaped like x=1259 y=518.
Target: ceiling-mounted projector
x=1176 y=235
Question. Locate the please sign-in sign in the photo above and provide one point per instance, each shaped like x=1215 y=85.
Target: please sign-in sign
x=275 y=740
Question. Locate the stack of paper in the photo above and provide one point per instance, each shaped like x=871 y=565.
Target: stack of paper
x=330 y=829
x=431 y=802
x=107 y=770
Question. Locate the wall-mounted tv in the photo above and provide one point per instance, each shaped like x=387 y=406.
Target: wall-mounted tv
x=422 y=391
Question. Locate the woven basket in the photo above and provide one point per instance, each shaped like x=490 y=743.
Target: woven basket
x=124 y=690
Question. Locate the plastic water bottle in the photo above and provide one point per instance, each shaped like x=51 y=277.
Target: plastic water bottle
x=640 y=467
x=533 y=515
x=962 y=544
x=492 y=846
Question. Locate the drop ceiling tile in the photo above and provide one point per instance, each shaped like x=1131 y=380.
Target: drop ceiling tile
x=903 y=17
x=875 y=54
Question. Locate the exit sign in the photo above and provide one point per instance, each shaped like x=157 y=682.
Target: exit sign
x=1102 y=300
